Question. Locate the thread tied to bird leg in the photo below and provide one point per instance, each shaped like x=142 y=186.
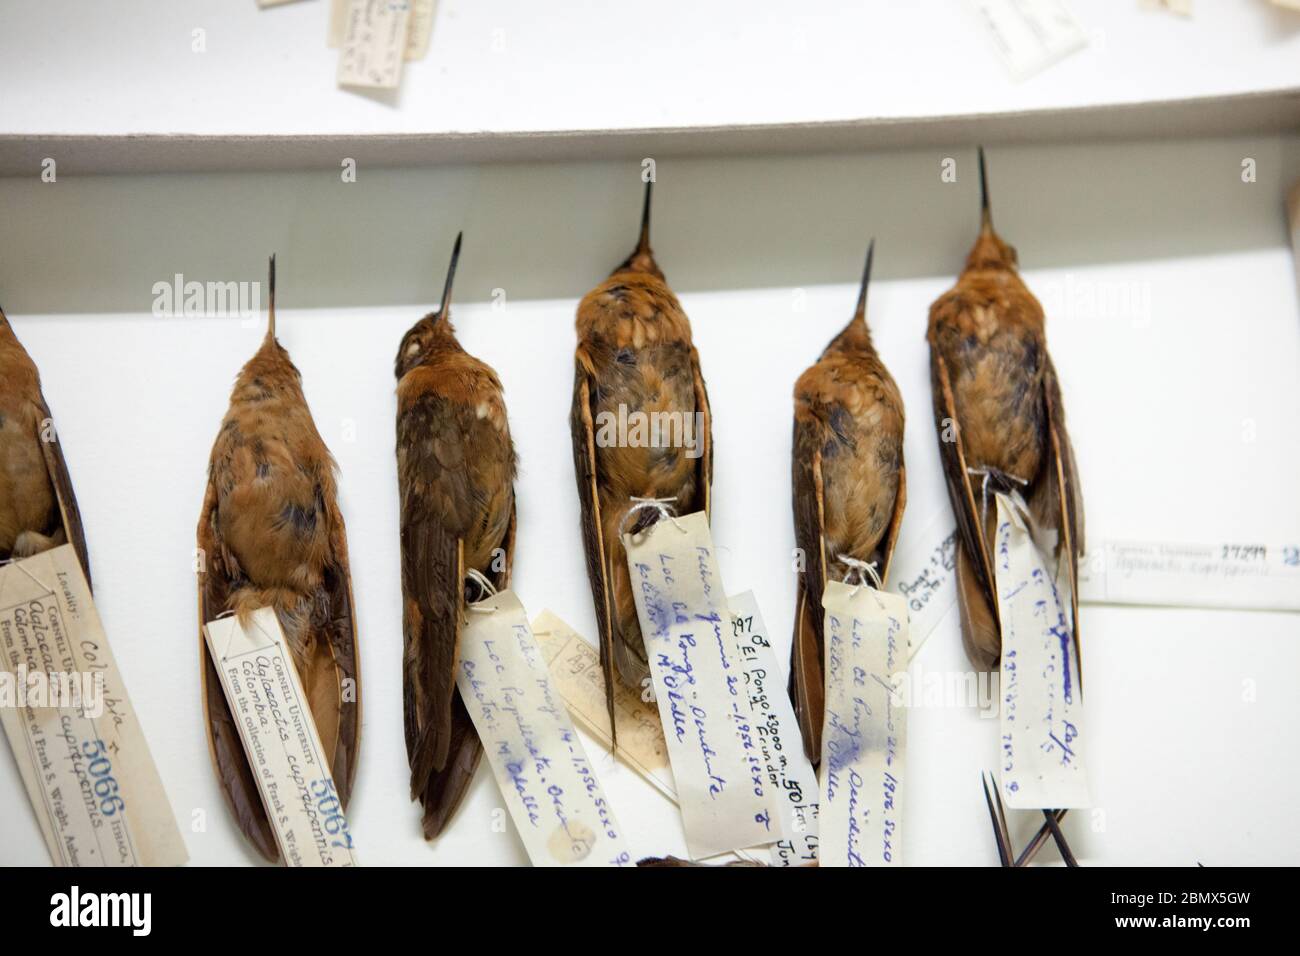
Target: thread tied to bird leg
x=998 y=477
x=864 y=572
x=486 y=588
x=658 y=504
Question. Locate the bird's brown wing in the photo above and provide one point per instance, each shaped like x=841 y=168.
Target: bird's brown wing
x=581 y=423
x=501 y=580
x=705 y=463
x=339 y=665
x=216 y=582
x=437 y=499
x=1057 y=502
x=69 y=513
x=980 y=627
x=807 y=689
x=890 y=541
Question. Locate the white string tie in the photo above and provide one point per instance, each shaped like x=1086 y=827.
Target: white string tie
x=658 y=504
x=988 y=473
x=484 y=585
x=864 y=571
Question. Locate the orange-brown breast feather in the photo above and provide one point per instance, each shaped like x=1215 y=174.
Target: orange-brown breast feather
x=271 y=535
x=38 y=509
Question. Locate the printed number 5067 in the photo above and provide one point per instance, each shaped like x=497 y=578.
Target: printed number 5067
x=329 y=807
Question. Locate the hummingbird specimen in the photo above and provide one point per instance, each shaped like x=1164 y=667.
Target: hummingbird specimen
x=456 y=475
x=997 y=407
x=849 y=491
x=271 y=535
x=38 y=510
x=634 y=361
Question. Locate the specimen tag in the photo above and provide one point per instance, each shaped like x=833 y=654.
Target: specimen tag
x=1042 y=705
x=79 y=747
x=699 y=687
x=545 y=777
x=280 y=739
x=789 y=775
x=418 y=30
x=374 y=43
x=923 y=571
x=575 y=668
x=1261 y=577
x=1030 y=35
x=864 y=733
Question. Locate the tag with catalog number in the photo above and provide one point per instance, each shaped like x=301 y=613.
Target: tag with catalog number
x=280 y=739
x=80 y=749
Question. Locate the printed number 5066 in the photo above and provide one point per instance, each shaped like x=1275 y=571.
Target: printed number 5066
x=104 y=783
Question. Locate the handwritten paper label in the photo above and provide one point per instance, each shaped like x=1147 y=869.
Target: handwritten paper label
x=924 y=572
x=374 y=43
x=575 y=668
x=418 y=31
x=280 y=739
x=1030 y=35
x=1042 y=705
x=699 y=686
x=80 y=749
x=789 y=775
x=864 y=734
x=338 y=23
x=1262 y=577
x=548 y=783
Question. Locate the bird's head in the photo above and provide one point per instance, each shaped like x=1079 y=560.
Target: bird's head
x=433 y=333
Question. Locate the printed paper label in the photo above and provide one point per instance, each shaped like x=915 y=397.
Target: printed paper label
x=864 y=734
x=80 y=749
x=575 y=668
x=789 y=775
x=699 y=686
x=1031 y=35
x=280 y=740
x=544 y=775
x=374 y=43
x=1263 y=577
x=1042 y=705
